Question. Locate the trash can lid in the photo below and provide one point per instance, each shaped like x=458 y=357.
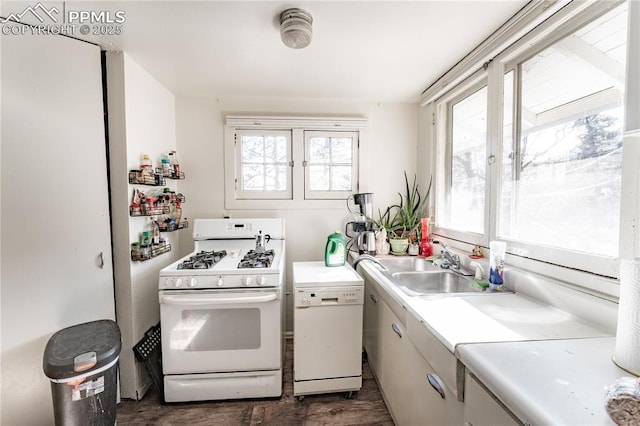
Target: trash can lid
x=81 y=348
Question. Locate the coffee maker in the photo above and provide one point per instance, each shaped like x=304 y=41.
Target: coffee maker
x=360 y=230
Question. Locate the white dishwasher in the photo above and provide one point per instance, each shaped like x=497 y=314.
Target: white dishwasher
x=327 y=329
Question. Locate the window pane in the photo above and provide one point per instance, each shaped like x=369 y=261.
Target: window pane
x=264 y=162
x=341 y=178
x=330 y=163
x=276 y=178
x=275 y=149
x=469 y=129
x=565 y=190
x=319 y=176
x=341 y=151
x=252 y=177
x=252 y=149
x=320 y=150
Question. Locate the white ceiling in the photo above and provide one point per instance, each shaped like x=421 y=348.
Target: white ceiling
x=382 y=51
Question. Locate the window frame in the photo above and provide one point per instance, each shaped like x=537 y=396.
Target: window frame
x=594 y=272
x=444 y=160
x=242 y=194
x=330 y=195
x=297 y=125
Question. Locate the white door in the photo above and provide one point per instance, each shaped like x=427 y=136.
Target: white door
x=56 y=241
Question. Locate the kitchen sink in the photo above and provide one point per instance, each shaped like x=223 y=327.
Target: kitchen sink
x=407 y=263
x=430 y=282
x=438 y=282
x=416 y=276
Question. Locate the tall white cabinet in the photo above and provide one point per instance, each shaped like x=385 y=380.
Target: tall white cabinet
x=56 y=243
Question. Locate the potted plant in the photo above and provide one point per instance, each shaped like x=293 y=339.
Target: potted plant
x=406 y=216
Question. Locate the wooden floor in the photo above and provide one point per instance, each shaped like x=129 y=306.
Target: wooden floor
x=365 y=408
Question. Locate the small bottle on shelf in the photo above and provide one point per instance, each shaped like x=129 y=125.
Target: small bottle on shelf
x=166 y=171
x=147 y=232
x=146 y=168
x=155 y=240
x=174 y=165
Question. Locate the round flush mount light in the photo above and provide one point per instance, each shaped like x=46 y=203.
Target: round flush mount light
x=295 y=28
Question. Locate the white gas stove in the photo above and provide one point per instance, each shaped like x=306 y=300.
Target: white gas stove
x=222 y=312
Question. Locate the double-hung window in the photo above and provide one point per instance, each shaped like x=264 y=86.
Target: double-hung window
x=545 y=165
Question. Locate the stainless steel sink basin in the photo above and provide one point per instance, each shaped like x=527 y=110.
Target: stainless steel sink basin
x=416 y=276
x=430 y=282
x=407 y=263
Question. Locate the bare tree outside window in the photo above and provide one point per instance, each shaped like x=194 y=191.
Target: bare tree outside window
x=562 y=184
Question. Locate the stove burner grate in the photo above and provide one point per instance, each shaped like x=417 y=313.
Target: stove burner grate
x=257 y=260
x=203 y=260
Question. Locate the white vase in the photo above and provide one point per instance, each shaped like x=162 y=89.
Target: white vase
x=382 y=246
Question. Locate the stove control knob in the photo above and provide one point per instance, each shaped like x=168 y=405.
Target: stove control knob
x=178 y=282
x=261 y=280
x=193 y=282
x=220 y=282
x=246 y=280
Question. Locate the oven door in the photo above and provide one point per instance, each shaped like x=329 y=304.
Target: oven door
x=220 y=330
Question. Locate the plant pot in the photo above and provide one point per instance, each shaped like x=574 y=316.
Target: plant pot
x=398 y=245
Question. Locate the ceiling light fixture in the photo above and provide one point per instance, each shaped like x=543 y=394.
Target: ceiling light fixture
x=295 y=28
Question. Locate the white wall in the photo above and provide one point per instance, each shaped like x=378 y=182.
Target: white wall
x=392 y=137
x=141 y=121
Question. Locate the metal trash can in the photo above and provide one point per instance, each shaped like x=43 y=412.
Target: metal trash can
x=82 y=361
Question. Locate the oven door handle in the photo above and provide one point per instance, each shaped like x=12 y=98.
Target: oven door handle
x=216 y=300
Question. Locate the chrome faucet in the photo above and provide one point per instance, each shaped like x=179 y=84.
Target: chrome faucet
x=452 y=258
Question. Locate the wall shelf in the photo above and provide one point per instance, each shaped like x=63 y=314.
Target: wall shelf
x=178 y=176
x=163 y=203
x=171 y=227
x=137 y=177
x=142 y=253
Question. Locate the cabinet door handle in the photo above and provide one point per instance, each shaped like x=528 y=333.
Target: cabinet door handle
x=396 y=330
x=435 y=383
x=374 y=298
x=101 y=261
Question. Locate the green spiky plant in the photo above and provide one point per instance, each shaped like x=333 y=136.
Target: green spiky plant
x=412 y=207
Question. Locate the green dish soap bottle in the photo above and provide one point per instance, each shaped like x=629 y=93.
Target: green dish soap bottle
x=335 y=252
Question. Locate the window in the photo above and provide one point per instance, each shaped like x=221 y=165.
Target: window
x=264 y=164
x=468 y=147
x=330 y=164
x=538 y=149
x=562 y=188
x=290 y=162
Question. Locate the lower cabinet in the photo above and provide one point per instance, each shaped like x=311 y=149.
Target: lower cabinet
x=371 y=327
x=394 y=377
x=431 y=401
x=481 y=408
x=412 y=389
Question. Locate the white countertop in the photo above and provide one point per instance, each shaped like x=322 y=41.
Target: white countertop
x=497 y=318
x=315 y=274
x=548 y=366
x=552 y=382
